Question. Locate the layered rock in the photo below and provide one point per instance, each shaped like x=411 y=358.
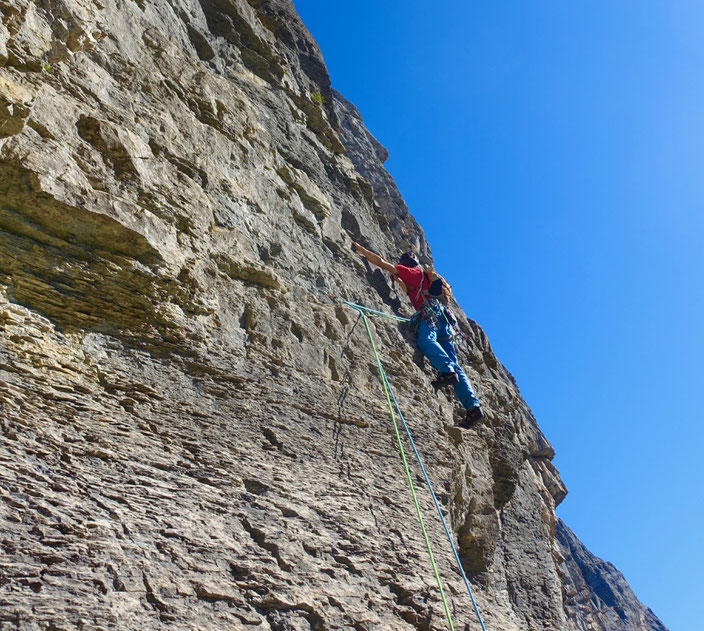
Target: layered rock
x=597 y=595
x=194 y=434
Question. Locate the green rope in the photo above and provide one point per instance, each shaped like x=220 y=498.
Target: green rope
x=408 y=472
x=390 y=316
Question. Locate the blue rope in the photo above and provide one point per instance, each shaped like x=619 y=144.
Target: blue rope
x=385 y=384
x=437 y=506
x=374 y=311
x=425 y=474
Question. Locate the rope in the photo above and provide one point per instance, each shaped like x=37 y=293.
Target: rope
x=390 y=316
x=437 y=508
x=387 y=389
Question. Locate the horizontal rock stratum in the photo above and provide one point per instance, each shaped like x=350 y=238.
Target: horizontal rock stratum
x=194 y=435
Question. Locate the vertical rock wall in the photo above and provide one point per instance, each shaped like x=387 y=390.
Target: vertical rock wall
x=193 y=432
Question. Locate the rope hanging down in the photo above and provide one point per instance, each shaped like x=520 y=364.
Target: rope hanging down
x=387 y=389
x=390 y=316
x=385 y=382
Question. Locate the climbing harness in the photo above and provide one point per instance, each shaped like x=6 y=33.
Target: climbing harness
x=388 y=391
x=432 y=310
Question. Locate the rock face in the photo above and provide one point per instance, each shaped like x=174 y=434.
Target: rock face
x=194 y=435
x=597 y=595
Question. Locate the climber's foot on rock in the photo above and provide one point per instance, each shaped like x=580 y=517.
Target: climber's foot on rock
x=444 y=380
x=473 y=416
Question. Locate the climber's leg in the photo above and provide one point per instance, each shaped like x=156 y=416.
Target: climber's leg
x=428 y=344
x=463 y=389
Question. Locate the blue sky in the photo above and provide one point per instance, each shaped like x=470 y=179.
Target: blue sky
x=553 y=154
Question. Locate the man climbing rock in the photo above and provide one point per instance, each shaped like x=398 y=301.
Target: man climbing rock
x=427 y=291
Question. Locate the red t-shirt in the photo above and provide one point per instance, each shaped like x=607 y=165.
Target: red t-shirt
x=414 y=278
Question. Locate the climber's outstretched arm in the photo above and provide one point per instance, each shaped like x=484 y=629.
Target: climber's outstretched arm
x=375 y=259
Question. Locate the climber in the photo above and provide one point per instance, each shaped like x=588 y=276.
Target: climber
x=427 y=292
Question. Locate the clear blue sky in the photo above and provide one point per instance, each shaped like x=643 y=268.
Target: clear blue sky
x=553 y=153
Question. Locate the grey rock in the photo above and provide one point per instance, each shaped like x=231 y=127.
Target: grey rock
x=193 y=431
x=597 y=595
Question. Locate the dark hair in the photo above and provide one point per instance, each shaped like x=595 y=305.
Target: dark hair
x=409 y=259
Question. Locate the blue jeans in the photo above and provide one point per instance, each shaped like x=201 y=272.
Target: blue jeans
x=437 y=346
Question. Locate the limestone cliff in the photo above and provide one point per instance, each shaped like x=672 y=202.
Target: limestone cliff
x=193 y=433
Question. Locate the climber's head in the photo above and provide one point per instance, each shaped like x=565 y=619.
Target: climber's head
x=409 y=259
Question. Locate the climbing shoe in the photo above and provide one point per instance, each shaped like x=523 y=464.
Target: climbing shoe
x=474 y=415
x=444 y=380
